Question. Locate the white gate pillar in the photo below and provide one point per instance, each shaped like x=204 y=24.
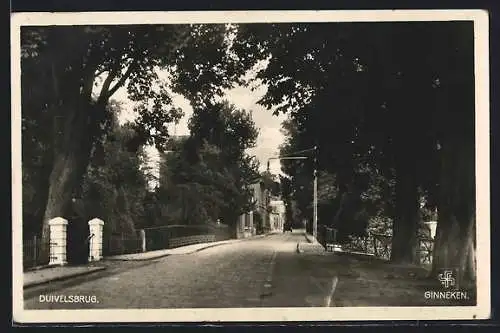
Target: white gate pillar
x=250 y=217
x=95 y=248
x=241 y=228
x=58 y=228
x=142 y=235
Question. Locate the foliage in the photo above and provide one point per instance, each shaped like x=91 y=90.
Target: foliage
x=209 y=176
x=271 y=183
x=115 y=185
x=372 y=97
x=69 y=74
x=99 y=60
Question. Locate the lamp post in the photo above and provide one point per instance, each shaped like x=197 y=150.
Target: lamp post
x=315 y=183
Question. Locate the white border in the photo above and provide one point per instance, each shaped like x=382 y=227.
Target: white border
x=481 y=311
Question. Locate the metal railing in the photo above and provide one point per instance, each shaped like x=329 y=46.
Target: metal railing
x=165 y=237
x=376 y=244
x=35 y=252
x=121 y=243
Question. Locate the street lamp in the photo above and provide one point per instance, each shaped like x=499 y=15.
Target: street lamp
x=315 y=183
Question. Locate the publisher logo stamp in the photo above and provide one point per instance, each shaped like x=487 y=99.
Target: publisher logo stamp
x=447 y=279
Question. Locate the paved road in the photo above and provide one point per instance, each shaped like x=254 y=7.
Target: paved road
x=265 y=272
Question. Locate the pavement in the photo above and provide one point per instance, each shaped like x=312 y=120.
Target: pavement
x=58 y=273
x=189 y=249
x=261 y=272
x=309 y=245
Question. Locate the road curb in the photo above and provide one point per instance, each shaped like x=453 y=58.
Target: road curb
x=140 y=259
x=307 y=238
x=159 y=256
x=299 y=250
x=62 y=278
x=215 y=245
x=231 y=242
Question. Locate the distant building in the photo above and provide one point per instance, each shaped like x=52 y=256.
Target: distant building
x=430 y=228
x=277 y=214
x=246 y=224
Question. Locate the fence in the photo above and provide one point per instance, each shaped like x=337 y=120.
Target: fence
x=376 y=244
x=326 y=235
x=171 y=236
x=35 y=252
x=165 y=237
x=425 y=248
x=120 y=243
x=189 y=240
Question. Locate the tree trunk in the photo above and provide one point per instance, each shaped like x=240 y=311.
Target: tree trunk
x=468 y=255
x=406 y=219
x=455 y=236
x=62 y=181
x=233 y=230
x=71 y=159
x=340 y=210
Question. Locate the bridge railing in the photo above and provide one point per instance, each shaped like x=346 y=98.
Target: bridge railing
x=172 y=236
x=376 y=244
x=35 y=252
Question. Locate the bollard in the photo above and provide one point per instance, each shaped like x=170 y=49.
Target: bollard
x=252 y=228
x=142 y=235
x=95 y=248
x=58 y=228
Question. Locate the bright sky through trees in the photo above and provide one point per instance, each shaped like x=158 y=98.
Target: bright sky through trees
x=270 y=136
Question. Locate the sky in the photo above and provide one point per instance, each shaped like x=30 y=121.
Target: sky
x=269 y=125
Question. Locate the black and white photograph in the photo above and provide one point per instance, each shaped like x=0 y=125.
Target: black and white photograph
x=250 y=166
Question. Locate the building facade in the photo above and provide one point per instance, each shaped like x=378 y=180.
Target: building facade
x=257 y=220
x=277 y=214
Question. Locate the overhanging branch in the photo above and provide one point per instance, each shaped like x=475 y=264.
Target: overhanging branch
x=104 y=94
x=121 y=82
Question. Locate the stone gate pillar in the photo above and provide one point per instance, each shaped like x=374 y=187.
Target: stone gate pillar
x=58 y=231
x=250 y=217
x=142 y=235
x=95 y=248
x=241 y=226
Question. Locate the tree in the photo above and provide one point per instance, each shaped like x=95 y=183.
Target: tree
x=79 y=68
x=196 y=190
x=455 y=234
x=383 y=88
x=271 y=183
x=232 y=131
x=114 y=186
x=210 y=174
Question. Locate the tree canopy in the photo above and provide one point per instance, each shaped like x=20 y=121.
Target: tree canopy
x=381 y=101
x=210 y=174
x=69 y=74
x=390 y=106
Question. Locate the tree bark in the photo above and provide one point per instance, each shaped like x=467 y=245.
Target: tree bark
x=62 y=180
x=455 y=237
x=71 y=159
x=406 y=219
x=233 y=230
x=340 y=210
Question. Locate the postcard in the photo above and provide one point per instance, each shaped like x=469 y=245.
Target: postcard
x=256 y=166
